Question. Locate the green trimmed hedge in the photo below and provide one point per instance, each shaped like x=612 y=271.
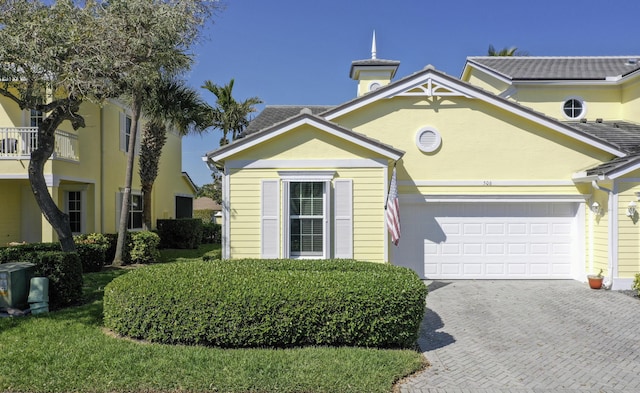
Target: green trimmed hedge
x=268 y=303
x=64 y=271
x=180 y=233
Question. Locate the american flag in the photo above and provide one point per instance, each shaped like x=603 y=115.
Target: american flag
x=393 y=210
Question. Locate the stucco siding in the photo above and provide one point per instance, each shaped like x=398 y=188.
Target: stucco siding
x=631 y=100
x=479 y=141
x=601 y=101
x=10 y=224
x=485 y=81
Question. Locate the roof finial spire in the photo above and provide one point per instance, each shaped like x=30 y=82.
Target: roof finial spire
x=373 y=46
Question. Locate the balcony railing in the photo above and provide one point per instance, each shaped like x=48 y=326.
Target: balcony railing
x=18 y=143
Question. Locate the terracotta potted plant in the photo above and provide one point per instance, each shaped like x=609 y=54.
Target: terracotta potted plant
x=595 y=280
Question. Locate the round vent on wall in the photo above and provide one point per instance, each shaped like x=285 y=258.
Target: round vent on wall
x=428 y=139
x=374 y=86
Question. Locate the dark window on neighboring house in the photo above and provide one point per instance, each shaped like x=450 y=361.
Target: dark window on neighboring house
x=74 y=209
x=184 y=207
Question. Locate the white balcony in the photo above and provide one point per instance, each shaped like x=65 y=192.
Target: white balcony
x=17 y=143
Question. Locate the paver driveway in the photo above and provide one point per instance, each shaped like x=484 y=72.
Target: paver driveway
x=528 y=337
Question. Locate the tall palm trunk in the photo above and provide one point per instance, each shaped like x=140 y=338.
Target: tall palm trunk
x=126 y=195
x=153 y=139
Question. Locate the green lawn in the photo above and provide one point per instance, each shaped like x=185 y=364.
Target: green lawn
x=68 y=351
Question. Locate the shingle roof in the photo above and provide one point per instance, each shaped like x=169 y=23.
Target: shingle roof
x=559 y=68
x=623 y=134
x=614 y=165
x=273 y=114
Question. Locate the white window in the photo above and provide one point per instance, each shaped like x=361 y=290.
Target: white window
x=306 y=219
x=74 y=208
x=306 y=223
x=35 y=118
x=134 y=219
x=574 y=108
x=125 y=133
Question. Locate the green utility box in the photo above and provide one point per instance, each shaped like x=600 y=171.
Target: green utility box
x=14 y=283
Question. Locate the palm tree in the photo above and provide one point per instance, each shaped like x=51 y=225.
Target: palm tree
x=171 y=104
x=513 y=51
x=230 y=115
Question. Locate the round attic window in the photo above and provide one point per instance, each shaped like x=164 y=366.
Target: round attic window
x=574 y=108
x=374 y=86
x=428 y=139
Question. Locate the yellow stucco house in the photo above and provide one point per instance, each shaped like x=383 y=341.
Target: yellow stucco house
x=522 y=168
x=85 y=175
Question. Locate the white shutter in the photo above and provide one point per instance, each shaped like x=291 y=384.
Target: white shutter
x=123 y=132
x=343 y=191
x=270 y=220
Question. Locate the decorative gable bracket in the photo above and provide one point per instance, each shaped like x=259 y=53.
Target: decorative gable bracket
x=432 y=88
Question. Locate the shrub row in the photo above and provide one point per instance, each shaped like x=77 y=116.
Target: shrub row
x=139 y=247
x=64 y=270
x=268 y=303
x=181 y=233
x=92 y=255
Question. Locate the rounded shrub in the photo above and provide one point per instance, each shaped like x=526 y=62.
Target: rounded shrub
x=268 y=303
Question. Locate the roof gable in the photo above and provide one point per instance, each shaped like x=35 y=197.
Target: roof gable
x=296 y=122
x=432 y=83
x=529 y=68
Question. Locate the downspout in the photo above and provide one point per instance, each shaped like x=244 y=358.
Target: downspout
x=608 y=283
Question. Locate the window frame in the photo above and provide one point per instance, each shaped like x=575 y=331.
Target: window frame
x=131 y=212
x=323 y=177
x=583 y=108
x=300 y=218
x=83 y=205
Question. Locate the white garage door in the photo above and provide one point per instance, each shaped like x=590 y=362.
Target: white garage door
x=489 y=240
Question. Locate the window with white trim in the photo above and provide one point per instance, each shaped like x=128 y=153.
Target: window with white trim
x=306 y=218
x=74 y=210
x=125 y=133
x=134 y=218
x=35 y=118
x=307 y=227
x=574 y=108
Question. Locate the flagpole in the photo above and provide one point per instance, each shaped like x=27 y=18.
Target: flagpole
x=386 y=201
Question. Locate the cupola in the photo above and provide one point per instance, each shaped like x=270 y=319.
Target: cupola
x=373 y=73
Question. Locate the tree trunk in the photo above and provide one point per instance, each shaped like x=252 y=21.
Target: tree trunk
x=146 y=205
x=46 y=142
x=126 y=196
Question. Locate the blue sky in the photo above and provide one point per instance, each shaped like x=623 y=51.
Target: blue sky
x=295 y=52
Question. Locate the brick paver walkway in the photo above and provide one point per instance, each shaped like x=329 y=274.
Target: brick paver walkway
x=528 y=337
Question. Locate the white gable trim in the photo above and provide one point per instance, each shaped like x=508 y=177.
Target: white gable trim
x=472 y=64
x=624 y=170
x=431 y=76
x=258 y=139
x=284 y=164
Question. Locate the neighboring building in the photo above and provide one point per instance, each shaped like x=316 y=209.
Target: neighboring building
x=85 y=175
x=208 y=204
x=526 y=167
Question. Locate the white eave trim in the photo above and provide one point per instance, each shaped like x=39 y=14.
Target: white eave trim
x=499 y=198
x=472 y=64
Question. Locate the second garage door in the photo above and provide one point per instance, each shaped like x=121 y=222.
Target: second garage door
x=489 y=240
